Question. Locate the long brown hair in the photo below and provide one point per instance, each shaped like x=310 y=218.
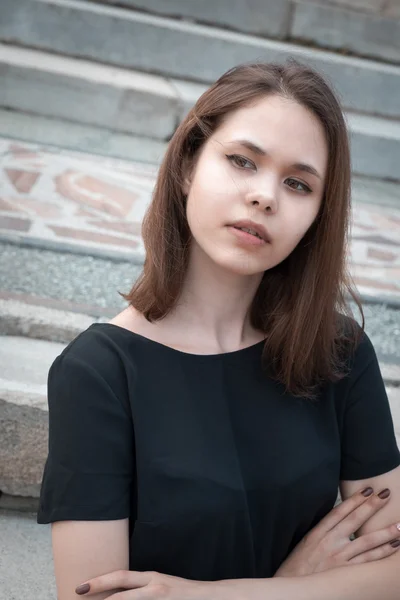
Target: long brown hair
x=299 y=302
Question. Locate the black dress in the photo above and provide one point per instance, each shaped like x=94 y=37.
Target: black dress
x=219 y=471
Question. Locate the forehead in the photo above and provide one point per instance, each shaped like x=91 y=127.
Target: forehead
x=280 y=126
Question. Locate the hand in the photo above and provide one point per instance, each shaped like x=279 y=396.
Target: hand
x=328 y=545
x=138 y=585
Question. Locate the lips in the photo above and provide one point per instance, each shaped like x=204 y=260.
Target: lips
x=259 y=229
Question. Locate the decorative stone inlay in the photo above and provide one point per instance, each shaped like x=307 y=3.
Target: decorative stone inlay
x=96 y=193
x=382 y=255
x=94 y=202
x=14 y=224
x=92 y=236
x=23 y=181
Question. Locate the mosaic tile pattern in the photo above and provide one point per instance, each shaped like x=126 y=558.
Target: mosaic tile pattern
x=96 y=202
x=70 y=197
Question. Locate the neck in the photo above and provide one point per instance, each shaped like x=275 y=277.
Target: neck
x=214 y=306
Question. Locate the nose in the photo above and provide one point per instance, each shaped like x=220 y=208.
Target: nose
x=262 y=200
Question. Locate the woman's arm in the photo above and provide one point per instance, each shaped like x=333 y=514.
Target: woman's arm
x=85 y=549
x=371 y=581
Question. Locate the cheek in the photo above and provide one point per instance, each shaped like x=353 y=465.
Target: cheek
x=212 y=197
x=299 y=221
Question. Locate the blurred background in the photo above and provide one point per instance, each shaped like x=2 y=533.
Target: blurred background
x=90 y=94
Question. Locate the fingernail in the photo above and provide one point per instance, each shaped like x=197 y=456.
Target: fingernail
x=384 y=494
x=367 y=492
x=82 y=589
x=395 y=543
x=398 y=526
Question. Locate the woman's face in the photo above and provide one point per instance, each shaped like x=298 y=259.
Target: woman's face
x=263 y=169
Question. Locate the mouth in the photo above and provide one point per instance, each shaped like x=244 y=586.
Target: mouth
x=251 y=228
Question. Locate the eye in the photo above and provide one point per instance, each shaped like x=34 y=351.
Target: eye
x=241 y=162
x=298 y=186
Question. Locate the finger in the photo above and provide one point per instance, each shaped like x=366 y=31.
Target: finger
x=363 y=513
x=342 y=511
x=369 y=541
x=149 y=592
x=114 y=581
x=375 y=554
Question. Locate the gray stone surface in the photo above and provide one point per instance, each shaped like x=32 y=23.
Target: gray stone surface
x=23 y=441
x=261 y=17
x=390 y=8
x=96 y=281
x=357 y=25
x=374 y=191
x=76 y=91
x=391 y=375
x=23 y=413
x=25 y=363
x=188 y=93
x=375 y=146
x=26 y=562
x=82 y=279
x=20 y=319
x=79 y=136
x=183 y=50
x=333 y=27
x=19 y=503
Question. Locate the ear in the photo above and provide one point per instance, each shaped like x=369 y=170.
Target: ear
x=187 y=171
x=186 y=186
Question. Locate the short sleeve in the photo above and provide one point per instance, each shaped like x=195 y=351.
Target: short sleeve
x=88 y=474
x=369 y=446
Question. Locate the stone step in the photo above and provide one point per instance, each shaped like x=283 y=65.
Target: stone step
x=132 y=39
x=123 y=102
x=27 y=571
x=68 y=135
x=324 y=24
x=23 y=413
x=109 y=97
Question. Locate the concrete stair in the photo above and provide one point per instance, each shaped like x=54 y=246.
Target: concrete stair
x=119 y=72
x=364 y=27
x=26 y=563
x=108 y=77
x=120 y=103
x=132 y=39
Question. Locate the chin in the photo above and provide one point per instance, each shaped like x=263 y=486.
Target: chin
x=240 y=265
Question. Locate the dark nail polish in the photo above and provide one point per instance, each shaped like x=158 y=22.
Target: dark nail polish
x=395 y=544
x=384 y=494
x=367 y=492
x=82 y=589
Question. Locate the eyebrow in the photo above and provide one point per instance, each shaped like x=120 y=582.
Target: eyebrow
x=258 y=150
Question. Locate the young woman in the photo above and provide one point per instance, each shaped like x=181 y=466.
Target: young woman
x=197 y=442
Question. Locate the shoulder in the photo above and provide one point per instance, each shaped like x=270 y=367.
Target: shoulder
x=360 y=376
x=357 y=350
x=103 y=351
x=357 y=363
x=363 y=355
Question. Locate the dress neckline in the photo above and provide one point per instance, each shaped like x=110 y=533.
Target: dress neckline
x=232 y=354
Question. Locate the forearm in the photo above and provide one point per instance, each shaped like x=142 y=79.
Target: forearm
x=370 y=581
